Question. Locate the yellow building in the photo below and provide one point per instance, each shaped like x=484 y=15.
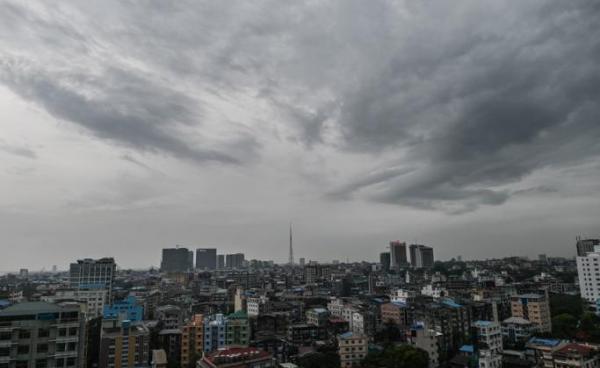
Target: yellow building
x=352 y=348
x=535 y=308
x=192 y=341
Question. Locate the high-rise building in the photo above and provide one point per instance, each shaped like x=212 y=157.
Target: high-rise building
x=384 y=259
x=586 y=245
x=89 y=274
x=397 y=255
x=124 y=344
x=234 y=260
x=588 y=267
x=42 y=335
x=302 y=262
x=221 y=261
x=192 y=341
x=421 y=256
x=177 y=260
x=206 y=258
x=315 y=272
x=534 y=308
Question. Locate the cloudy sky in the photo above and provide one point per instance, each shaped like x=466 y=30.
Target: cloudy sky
x=129 y=126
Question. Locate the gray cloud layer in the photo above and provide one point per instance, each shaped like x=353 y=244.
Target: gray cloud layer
x=454 y=102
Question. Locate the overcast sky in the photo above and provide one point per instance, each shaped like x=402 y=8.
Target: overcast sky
x=129 y=126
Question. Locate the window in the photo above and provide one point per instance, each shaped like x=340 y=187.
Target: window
x=43 y=332
x=5 y=335
x=71 y=346
x=72 y=331
x=60 y=362
x=42 y=348
x=23 y=349
x=70 y=362
x=21 y=364
x=41 y=363
x=24 y=334
x=4 y=352
x=62 y=332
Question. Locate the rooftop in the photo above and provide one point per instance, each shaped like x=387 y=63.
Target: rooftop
x=517 y=321
x=30 y=308
x=544 y=342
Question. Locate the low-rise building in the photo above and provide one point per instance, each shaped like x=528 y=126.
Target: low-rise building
x=352 y=348
x=237 y=358
x=576 y=356
x=517 y=329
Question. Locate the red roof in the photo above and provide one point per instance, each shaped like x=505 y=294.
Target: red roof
x=237 y=354
x=574 y=348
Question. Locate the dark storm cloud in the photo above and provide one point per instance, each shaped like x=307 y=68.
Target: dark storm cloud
x=115 y=105
x=522 y=98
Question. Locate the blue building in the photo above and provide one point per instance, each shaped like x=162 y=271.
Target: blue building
x=127 y=309
x=214 y=332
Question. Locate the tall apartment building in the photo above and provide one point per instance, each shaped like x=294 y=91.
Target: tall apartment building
x=192 y=341
x=124 y=344
x=90 y=274
x=177 y=260
x=585 y=245
x=352 y=349
x=206 y=258
x=235 y=260
x=42 y=335
x=397 y=255
x=221 y=261
x=534 y=308
x=384 y=259
x=588 y=272
x=426 y=339
x=315 y=272
x=489 y=338
x=421 y=256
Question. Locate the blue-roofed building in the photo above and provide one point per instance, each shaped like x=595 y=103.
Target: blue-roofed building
x=317 y=316
x=541 y=350
x=451 y=303
x=467 y=349
x=127 y=308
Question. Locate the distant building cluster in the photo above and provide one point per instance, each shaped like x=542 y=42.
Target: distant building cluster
x=181 y=259
x=210 y=310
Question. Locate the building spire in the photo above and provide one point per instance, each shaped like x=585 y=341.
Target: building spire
x=291 y=258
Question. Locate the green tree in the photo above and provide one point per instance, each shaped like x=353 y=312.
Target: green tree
x=589 y=328
x=403 y=356
x=389 y=334
x=566 y=304
x=318 y=360
x=564 y=326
